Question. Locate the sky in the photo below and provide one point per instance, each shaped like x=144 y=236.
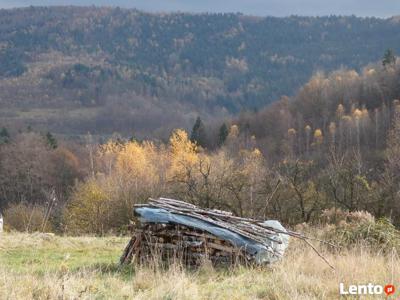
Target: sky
x=377 y=8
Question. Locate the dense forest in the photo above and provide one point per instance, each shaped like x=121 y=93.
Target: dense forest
x=334 y=147
x=72 y=70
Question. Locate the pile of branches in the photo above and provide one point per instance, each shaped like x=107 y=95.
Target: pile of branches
x=168 y=241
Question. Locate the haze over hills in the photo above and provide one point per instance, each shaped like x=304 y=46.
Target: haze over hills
x=71 y=70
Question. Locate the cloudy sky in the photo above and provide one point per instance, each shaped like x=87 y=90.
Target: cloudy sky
x=379 y=8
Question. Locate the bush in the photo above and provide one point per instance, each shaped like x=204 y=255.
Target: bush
x=26 y=217
x=338 y=216
x=380 y=235
x=93 y=210
x=349 y=229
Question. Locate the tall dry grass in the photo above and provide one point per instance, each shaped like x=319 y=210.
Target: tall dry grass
x=51 y=267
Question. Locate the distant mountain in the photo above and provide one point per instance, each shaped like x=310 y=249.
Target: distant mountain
x=382 y=8
x=72 y=70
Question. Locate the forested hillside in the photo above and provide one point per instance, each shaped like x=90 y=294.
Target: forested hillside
x=72 y=70
x=334 y=145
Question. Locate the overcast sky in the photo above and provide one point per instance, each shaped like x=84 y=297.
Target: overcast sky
x=379 y=8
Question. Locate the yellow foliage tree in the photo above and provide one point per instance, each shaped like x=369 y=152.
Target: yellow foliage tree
x=134 y=162
x=89 y=210
x=253 y=170
x=357 y=114
x=233 y=131
x=183 y=155
x=137 y=171
x=318 y=136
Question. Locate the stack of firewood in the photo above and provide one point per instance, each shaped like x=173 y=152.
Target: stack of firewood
x=169 y=242
x=173 y=240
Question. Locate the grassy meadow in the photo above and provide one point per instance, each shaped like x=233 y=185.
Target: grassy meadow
x=43 y=266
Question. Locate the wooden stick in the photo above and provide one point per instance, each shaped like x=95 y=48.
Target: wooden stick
x=319 y=254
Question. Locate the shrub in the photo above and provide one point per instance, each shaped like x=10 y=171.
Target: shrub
x=93 y=210
x=338 y=216
x=380 y=235
x=26 y=217
x=348 y=229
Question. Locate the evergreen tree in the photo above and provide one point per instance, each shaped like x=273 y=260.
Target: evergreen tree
x=198 y=134
x=389 y=58
x=51 y=140
x=223 y=134
x=133 y=138
x=4 y=136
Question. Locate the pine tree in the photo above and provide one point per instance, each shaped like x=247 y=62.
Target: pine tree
x=222 y=134
x=389 y=58
x=4 y=136
x=198 y=134
x=51 y=141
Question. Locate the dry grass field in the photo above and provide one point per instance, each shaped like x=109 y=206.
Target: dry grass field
x=40 y=266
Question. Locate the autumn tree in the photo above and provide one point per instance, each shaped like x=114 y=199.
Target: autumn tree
x=183 y=158
x=233 y=141
x=25 y=169
x=90 y=210
x=346 y=184
x=66 y=170
x=137 y=173
x=307 y=130
x=292 y=140
x=303 y=196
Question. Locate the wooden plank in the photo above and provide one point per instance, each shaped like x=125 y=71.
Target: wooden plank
x=223 y=248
